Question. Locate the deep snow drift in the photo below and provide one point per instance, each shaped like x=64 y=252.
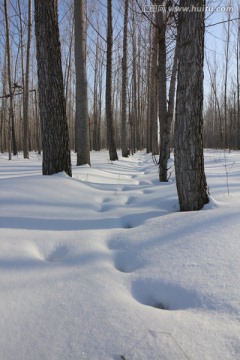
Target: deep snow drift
x=104 y=266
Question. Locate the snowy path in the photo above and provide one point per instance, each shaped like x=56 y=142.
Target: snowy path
x=103 y=265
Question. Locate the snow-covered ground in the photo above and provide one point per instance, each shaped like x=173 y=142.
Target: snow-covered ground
x=104 y=266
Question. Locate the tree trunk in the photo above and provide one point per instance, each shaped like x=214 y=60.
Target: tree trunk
x=149 y=86
x=109 y=113
x=164 y=128
x=171 y=97
x=100 y=105
x=124 y=85
x=138 y=88
x=26 y=85
x=82 y=121
x=3 y=130
x=38 y=126
x=154 y=101
x=10 y=89
x=55 y=137
x=226 y=142
x=189 y=162
x=21 y=50
x=134 y=85
x=238 y=85
x=96 y=145
x=68 y=89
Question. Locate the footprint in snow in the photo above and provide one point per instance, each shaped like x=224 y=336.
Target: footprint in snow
x=165 y=296
x=59 y=254
x=126 y=262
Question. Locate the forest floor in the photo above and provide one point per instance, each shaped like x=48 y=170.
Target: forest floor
x=103 y=266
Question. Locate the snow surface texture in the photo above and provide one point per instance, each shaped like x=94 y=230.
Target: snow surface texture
x=104 y=266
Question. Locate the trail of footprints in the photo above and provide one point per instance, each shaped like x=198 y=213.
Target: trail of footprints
x=126 y=260
x=146 y=291
x=151 y=292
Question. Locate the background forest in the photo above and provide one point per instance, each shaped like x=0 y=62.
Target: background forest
x=19 y=110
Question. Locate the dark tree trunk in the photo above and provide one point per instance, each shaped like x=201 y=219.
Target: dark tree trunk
x=154 y=101
x=96 y=145
x=26 y=86
x=135 y=119
x=14 y=141
x=189 y=162
x=109 y=112
x=238 y=89
x=3 y=134
x=164 y=129
x=82 y=120
x=171 y=97
x=55 y=137
x=9 y=73
x=148 y=131
x=124 y=85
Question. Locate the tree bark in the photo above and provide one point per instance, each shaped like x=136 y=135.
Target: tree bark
x=9 y=72
x=189 y=162
x=109 y=112
x=238 y=86
x=55 y=137
x=96 y=122
x=100 y=85
x=124 y=85
x=26 y=85
x=3 y=132
x=134 y=85
x=171 y=97
x=238 y=92
x=82 y=120
x=154 y=101
x=226 y=142
x=149 y=83
x=164 y=128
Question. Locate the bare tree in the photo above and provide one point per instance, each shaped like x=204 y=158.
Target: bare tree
x=3 y=130
x=11 y=133
x=109 y=111
x=82 y=121
x=154 y=94
x=238 y=82
x=68 y=81
x=55 y=137
x=226 y=143
x=164 y=136
x=189 y=162
x=171 y=100
x=149 y=70
x=135 y=123
x=124 y=85
x=26 y=85
x=96 y=125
